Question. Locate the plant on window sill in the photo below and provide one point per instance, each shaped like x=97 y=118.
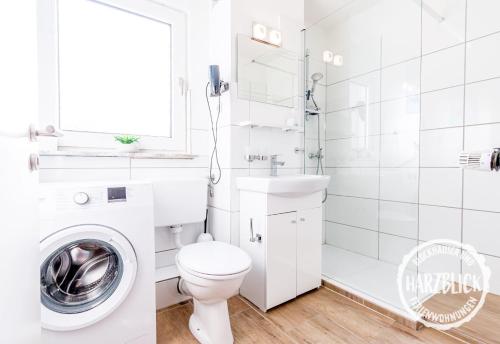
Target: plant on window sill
x=127 y=143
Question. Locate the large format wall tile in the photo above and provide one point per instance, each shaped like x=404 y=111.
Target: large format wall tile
x=347 y=211
x=353 y=239
x=437 y=34
x=482 y=18
x=443 y=108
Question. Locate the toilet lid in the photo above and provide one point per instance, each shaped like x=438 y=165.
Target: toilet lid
x=214 y=258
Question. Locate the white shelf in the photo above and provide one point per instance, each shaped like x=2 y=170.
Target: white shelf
x=166 y=272
x=283 y=128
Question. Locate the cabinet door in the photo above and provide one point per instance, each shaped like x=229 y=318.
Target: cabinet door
x=281 y=258
x=309 y=238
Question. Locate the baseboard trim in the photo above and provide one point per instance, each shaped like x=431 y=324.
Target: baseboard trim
x=408 y=323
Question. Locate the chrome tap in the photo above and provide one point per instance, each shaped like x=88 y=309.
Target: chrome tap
x=274 y=165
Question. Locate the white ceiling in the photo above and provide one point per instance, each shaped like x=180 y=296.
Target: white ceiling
x=315 y=10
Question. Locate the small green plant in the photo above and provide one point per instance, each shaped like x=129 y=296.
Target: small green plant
x=127 y=140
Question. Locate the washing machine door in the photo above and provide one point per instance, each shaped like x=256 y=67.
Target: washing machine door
x=86 y=272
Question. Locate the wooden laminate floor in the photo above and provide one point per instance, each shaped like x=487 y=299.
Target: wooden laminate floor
x=484 y=328
x=321 y=316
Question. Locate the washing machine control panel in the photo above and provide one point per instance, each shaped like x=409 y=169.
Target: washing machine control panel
x=117 y=194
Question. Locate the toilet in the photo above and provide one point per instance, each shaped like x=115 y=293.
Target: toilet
x=211 y=271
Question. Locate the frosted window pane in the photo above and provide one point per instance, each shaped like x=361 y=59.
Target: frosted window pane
x=114 y=70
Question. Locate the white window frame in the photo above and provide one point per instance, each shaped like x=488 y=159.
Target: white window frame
x=49 y=77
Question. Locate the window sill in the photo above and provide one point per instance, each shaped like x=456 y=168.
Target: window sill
x=116 y=154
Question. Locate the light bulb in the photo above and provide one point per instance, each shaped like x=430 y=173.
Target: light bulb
x=327 y=56
x=259 y=31
x=338 y=60
x=275 y=37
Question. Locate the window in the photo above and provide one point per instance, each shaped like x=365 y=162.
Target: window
x=114 y=67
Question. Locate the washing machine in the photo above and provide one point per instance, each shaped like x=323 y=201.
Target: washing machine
x=97 y=263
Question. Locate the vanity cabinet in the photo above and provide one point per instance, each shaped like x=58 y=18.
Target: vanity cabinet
x=283 y=237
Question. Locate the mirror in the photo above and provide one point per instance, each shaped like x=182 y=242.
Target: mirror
x=266 y=73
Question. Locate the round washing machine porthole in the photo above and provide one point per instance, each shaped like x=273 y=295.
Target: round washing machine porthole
x=86 y=272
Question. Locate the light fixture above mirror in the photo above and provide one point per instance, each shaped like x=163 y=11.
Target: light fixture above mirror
x=266 y=35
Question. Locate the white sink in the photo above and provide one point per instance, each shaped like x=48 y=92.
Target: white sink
x=294 y=185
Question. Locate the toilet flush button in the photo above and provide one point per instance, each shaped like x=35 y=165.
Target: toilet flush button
x=81 y=198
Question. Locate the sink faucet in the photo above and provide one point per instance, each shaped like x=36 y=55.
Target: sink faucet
x=274 y=165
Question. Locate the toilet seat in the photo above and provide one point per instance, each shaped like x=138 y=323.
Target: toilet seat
x=213 y=260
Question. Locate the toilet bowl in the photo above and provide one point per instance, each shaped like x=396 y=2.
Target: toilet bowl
x=211 y=272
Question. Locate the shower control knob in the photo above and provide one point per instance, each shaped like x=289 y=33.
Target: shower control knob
x=81 y=198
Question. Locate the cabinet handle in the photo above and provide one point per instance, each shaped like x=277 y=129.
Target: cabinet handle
x=294 y=221
x=302 y=219
x=253 y=238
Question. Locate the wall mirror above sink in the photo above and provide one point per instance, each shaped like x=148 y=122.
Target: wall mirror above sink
x=266 y=73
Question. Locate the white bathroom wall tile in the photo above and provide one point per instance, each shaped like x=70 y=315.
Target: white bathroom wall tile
x=440 y=263
x=235 y=228
x=399 y=219
x=361 y=55
x=355 y=92
x=240 y=108
x=63 y=162
x=482 y=103
x=268 y=141
x=442 y=69
x=482 y=137
x=479 y=190
x=83 y=175
x=437 y=34
x=158 y=173
x=399 y=184
x=482 y=58
x=482 y=232
x=440 y=223
x=441 y=186
x=401 y=38
x=482 y=18
x=225 y=194
x=219 y=224
x=400 y=116
x=393 y=248
x=440 y=147
x=399 y=150
x=237 y=147
x=494 y=264
x=353 y=239
x=346 y=210
x=443 y=108
x=401 y=80
x=354 y=122
x=354 y=152
x=197 y=162
x=311 y=126
x=358 y=182
x=199 y=142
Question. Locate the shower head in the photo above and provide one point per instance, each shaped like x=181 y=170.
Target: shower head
x=316 y=77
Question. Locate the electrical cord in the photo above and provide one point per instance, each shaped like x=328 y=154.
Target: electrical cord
x=214 y=180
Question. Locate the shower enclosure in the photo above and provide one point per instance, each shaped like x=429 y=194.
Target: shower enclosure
x=363 y=128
